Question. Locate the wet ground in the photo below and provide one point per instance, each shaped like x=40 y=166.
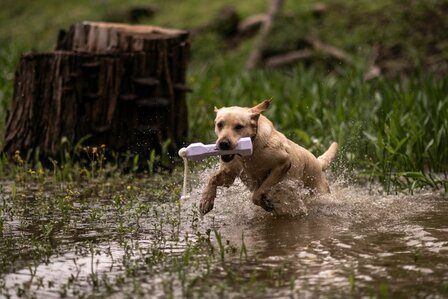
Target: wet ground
x=110 y=239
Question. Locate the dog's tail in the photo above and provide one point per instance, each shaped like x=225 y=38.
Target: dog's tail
x=328 y=156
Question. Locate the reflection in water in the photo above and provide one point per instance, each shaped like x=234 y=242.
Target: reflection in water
x=350 y=237
x=349 y=242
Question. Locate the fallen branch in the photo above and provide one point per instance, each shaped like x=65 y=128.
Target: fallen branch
x=374 y=71
x=317 y=46
x=330 y=50
x=252 y=25
x=256 y=55
x=288 y=58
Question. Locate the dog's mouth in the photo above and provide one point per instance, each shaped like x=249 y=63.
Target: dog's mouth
x=227 y=158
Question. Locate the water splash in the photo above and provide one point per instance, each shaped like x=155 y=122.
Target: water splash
x=291 y=199
x=339 y=243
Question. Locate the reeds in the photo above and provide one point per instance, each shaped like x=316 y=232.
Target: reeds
x=388 y=129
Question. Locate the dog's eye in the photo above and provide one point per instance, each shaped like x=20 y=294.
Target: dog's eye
x=219 y=125
x=238 y=127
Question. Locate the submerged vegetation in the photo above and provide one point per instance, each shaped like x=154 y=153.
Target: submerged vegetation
x=82 y=230
x=124 y=231
x=391 y=129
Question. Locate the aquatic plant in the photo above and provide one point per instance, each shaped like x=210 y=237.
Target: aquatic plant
x=118 y=228
x=387 y=129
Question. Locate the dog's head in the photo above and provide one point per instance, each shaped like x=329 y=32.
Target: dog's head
x=233 y=123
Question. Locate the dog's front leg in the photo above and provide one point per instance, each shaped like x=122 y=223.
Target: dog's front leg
x=224 y=176
x=275 y=176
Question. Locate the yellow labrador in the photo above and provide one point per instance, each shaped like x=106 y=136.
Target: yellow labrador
x=274 y=157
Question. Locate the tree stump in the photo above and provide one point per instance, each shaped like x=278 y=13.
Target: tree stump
x=124 y=86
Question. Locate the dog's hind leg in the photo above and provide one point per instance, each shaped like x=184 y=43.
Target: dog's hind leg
x=276 y=175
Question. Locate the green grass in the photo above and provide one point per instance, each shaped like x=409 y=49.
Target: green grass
x=391 y=129
x=138 y=231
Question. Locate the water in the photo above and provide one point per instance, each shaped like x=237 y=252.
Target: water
x=351 y=243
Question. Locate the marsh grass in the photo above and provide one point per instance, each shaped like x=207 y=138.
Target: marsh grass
x=391 y=130
x=45 y=220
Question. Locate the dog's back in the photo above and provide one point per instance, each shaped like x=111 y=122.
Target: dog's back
x=304 y=165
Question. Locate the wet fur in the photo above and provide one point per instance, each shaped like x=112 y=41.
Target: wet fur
x=274 y=157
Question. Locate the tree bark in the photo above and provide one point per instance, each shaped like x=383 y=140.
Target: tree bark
x=124 y=86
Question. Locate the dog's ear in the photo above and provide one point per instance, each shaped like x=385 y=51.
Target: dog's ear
x=254 y=118
x=216 y=109
x=263 y=106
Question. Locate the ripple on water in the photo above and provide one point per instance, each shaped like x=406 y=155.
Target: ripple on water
x=352 y=231
x=349 y=241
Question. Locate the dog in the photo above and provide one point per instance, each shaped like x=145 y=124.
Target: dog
x=274 y=157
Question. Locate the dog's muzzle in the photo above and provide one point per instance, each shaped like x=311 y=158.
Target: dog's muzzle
x=227 y=158
x=225 y=144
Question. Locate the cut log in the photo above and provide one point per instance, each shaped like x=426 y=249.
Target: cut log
x=117 y=83
x=98 y=37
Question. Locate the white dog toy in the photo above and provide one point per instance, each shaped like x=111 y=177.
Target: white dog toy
x=198 y=151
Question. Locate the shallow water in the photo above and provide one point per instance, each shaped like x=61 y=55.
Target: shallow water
x=351 y=243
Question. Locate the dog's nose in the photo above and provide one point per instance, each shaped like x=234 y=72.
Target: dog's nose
x=224 y=144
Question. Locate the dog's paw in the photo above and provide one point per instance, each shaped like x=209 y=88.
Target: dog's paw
x=266 y=204
x=206 y=206
x=262 y=201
